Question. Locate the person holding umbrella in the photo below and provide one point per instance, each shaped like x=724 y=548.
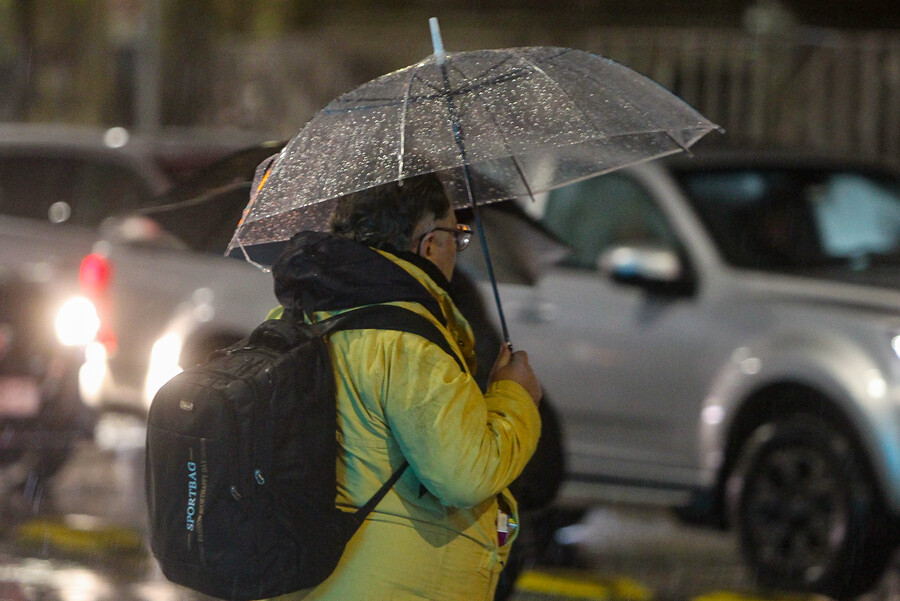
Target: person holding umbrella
x=445 y=529
x=496 y=125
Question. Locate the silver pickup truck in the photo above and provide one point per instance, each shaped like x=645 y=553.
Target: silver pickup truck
x=724 y=340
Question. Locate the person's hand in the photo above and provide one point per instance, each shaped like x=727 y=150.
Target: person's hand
x=514 y=366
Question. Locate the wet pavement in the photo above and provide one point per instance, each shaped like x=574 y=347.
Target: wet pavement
x=83 y=540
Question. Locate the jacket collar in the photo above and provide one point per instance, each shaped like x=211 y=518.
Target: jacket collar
x=430 y=269
x=323 y=272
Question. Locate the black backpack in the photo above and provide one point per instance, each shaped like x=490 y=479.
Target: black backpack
x=241 y=453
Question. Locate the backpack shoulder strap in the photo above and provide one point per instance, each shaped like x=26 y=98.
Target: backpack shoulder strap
x=388 y=317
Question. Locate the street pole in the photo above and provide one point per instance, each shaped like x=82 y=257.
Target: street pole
x=148 y=68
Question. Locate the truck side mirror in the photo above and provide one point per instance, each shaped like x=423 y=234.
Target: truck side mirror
x=654 y=268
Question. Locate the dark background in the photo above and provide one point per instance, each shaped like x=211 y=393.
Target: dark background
x=821 y=75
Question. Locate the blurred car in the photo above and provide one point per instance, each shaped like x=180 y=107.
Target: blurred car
x=724 y=339
x=160 y=289
x=57 y=184
x=41 y=414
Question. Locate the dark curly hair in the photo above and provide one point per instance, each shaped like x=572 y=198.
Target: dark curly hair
x=385 y=217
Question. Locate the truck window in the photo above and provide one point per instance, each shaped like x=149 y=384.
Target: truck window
x=595 y=214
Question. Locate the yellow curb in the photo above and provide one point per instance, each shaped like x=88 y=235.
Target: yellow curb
x=79 y=537
x=577 y=588
x=732 y=596
x=626 y=588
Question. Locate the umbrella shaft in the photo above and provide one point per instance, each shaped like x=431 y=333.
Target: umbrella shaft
x=490 y=267
x=457 y=136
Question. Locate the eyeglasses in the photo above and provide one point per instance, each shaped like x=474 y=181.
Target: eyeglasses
x=461 y=233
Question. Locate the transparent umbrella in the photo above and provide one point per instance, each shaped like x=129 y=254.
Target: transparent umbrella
x=495 y=124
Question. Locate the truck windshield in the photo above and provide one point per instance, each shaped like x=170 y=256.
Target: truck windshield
x=794 y=219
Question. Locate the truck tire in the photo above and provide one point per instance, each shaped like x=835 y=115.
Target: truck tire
x=807 y=515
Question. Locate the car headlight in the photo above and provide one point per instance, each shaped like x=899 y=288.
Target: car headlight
x=163 y=364
x=895 y=344
x=77 y=322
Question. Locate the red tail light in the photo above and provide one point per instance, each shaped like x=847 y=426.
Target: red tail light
x=95 y=275
x=94 y=278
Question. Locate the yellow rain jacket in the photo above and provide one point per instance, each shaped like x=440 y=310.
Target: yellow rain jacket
x=400 y=397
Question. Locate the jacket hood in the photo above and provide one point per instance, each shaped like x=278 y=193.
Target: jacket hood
x=323 y=272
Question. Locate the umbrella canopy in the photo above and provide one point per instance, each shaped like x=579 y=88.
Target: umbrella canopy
x=496 y=124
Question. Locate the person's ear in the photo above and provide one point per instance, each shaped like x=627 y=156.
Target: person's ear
x=427 y=245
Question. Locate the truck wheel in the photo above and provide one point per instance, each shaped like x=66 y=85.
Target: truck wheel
x=808 y=517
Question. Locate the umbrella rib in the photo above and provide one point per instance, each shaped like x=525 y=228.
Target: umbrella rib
x=502 y=78
x=493 y=119
x=521 y=173
x=379 y=102
x=402 y=150
x=565 y=92
x=473 y=88
x=622 y=102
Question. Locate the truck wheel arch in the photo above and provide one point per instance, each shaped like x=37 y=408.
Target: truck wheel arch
x=779 y=401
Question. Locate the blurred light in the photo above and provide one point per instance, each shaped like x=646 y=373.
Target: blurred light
x=92 y=373
x=629 y=262
x=77 y=322
x=157 y=591
x=53 y=580
x=80 y=584
x=751 y=365
x=120 y=432
x=876 y=386
x=571 y=535
x=746 y=362
x=713 y=414
x=95 y=274
x=895 y=345
x=713 y=460
x=163 y=364
x=94 y=278
x=59 y=212
x=116 y=137
x=203 y=296
x=203 y=308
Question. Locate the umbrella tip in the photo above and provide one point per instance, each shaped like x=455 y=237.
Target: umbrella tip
x=436 y=40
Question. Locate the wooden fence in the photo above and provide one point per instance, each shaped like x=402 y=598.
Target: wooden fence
x=813 y=88
x=823 y=90
x=818 y=89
